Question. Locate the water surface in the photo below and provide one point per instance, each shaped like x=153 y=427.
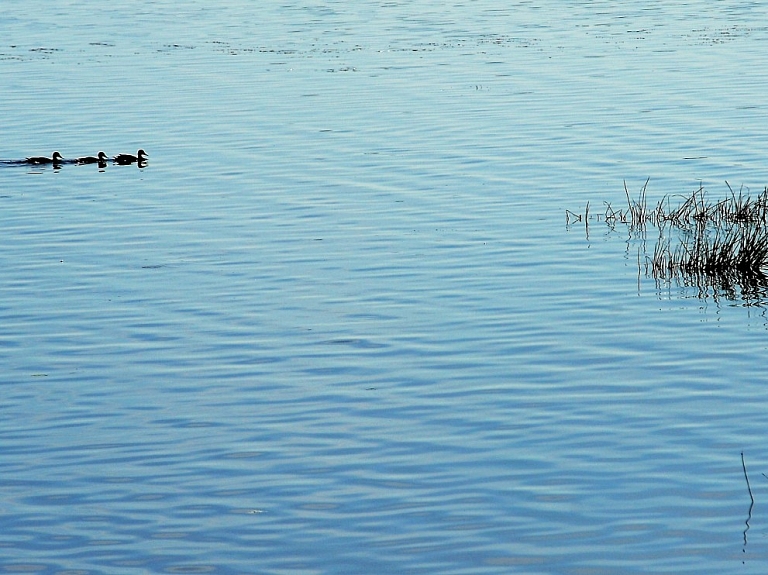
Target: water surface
x=338 y=323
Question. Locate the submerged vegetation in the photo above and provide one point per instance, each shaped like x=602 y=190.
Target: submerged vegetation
x=719 y=247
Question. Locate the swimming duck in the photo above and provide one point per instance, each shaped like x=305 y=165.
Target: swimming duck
x=124 y=159
x=54 y=159
x=101 y=158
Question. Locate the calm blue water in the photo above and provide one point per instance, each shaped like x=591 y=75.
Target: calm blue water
x=338 y=324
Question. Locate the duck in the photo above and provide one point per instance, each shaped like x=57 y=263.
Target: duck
x=54 y=159
x=124 y=159
x=100 y=158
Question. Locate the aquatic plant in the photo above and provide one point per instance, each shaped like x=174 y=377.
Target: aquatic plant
x=717 y=246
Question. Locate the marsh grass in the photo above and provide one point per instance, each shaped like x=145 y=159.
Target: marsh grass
x=715 y=245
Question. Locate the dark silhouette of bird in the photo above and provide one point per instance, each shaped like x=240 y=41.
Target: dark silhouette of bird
x=101 y=158
x=54 y=159
x=125 y=159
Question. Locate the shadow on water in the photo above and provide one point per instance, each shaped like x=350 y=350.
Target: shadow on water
x=717 y=248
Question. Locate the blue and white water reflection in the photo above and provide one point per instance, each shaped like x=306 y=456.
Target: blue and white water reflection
x=337 y=324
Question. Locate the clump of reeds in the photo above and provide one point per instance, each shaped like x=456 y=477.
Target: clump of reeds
x=694 y=209
x=698 y=210
x=709 y=244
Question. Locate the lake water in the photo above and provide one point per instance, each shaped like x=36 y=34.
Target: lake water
x=338 y=323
